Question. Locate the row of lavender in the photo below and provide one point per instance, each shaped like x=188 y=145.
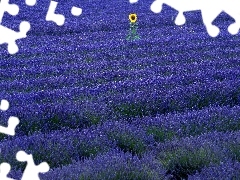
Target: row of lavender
x=182 y=156
x=138 y=137
x=127 y=99
x=100 y=53
x=85 y=72
x=67 y=44
x=114 y=81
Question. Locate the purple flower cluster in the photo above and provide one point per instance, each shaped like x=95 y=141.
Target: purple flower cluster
x=58 y=148
x=228 y=170
x=186 y=156
x=191 y=123
x=112 y=165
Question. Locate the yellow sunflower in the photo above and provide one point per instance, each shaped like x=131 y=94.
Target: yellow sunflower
x=132 y=18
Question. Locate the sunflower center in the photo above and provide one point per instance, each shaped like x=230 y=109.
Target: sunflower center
x=133 y=17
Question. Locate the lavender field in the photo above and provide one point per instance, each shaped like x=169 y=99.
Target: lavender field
x=95 y=106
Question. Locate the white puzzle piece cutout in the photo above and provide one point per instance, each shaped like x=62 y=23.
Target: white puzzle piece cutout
x=12 y=9
x=31 y=171
x=12 y=121
x=76 y=11
x=12 y=124
x=133 y=1
x=30 y=2
x=10 y=130
x=59 y=19
x=7 y=35
x=4 y=105
x=209 y=10
x=4 y=170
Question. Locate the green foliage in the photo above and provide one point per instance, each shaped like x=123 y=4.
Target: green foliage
x=92 y=118
x=235 y=150
x=85 y=149
x=131 y=109
x=193 y=129
x=42 y=153
x=121 y=174
x=159 y=134
x=143 y=108
x=222 y=124
x=83 y=177
x=204 y=100
x=58 y=121
x=54 y=123
x=228 y=124
x=128 y=143
x=2 y=136
x=235 y=97
x=182 y=162
x=89 y=59
x=30 y=126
